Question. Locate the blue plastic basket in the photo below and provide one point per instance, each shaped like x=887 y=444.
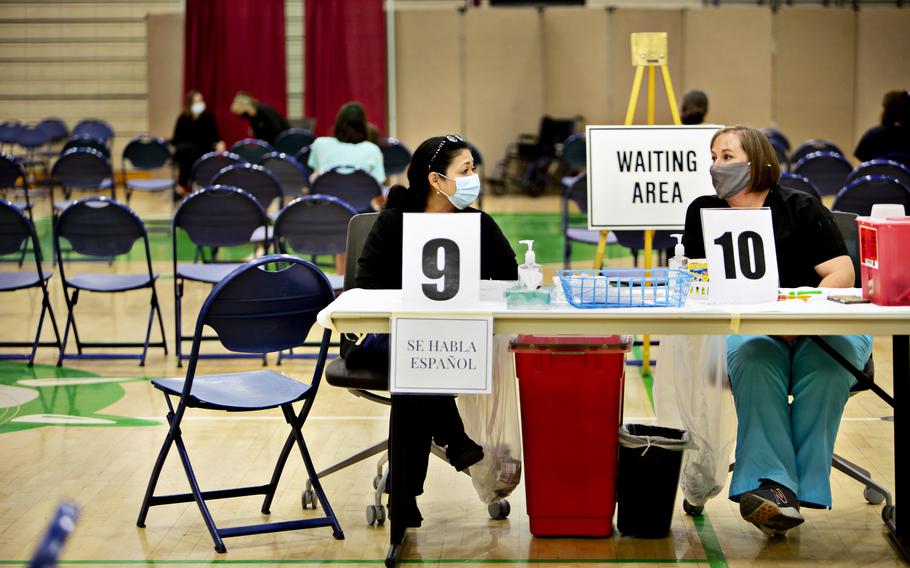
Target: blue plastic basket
x=630 y=288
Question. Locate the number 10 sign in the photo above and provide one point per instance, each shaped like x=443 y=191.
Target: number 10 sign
x=742 y=261
x=440 y=262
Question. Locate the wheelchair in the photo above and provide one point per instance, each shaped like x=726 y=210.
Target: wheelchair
x=532 y=163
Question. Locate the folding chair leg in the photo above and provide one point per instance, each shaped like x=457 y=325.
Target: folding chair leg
x=44 y=306
x=296 y=424
x=148 y=332
x=160 y=318
x=276 y=474
x=66 y=328
x=197 y=494
x=156 y=472
x=178 y=294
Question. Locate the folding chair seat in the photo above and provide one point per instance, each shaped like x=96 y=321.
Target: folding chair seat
x=95 y=128
x=15 y=229
x=291 y=174
x=355 y=187
x=395 y=156
x=258 y=182
x=862 y=193
x=82 y=169
x=293 y=140
x=252 y=310
x=252 y=149
x=9 y=133
x=148 y=153
x=576 y=191
x=799 y=183
x=215 y=217
x=827 y=171
x=210 y=164
x=103 y=228
x=879 y=167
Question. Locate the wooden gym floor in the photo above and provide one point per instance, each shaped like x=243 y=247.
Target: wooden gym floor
x=89 y=432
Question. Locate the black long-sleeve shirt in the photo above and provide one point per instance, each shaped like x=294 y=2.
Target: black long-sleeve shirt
x=201 y=131
x=268 y=123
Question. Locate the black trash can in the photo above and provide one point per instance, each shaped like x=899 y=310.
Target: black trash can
x=650 y=458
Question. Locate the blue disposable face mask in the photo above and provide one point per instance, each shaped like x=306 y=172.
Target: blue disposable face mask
x=467 y=188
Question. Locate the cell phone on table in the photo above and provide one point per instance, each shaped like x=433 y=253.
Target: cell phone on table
x=848 y=299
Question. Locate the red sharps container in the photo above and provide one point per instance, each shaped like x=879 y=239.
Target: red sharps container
x=883 y=264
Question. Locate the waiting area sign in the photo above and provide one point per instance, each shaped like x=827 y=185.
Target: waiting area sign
x=644 y=177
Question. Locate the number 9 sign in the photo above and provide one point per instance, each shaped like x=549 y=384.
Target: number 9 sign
x=441 y=259
x=742 y=261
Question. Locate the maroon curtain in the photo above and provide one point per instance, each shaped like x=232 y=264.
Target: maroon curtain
x=235 y=46
x=345 y=60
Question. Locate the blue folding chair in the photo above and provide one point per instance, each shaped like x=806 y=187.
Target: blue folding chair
x=215 y=217
x=9 y=133
x=395 y=156
x=258 y=182
x=147 y=153
x=827 y=171
x=81 y=169
x=879 y=167
x=812 y=146
x=14 y=179
x=862 y=193
x=210 y=164
x=33 y=139
x=86 y=141
x=252 y=149
x=58 y=530
x=293 y=140
x=781 y=153
x=355 y=187
x=799 y=183
x=291 y=174
x=575 y=152
x=576 y=191
x=55 y=129
x=252 y=310
x=95 y=128
x=16 y=229
x=899 y=157
x=775 y=135
x=103 y=228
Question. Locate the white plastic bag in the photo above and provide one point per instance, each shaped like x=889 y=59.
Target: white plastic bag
x=692 y=392
x=492 y=421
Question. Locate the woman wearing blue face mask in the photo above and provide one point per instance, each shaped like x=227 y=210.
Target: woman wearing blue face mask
x=195 y=134
x=442 y=180
x=783 y=449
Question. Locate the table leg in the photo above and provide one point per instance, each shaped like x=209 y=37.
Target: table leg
x=396 y=527
x=901 y=360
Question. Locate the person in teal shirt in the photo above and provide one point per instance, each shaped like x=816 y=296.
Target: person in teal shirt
x=349 y=146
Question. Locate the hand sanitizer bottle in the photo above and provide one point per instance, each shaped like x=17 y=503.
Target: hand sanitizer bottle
x=530 y=274
x=678 y=260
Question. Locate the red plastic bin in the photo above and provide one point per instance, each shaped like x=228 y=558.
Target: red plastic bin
x=883 y=266
x=571 y=391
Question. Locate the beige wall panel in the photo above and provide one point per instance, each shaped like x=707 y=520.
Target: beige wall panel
x=815 y=72
x=428 y=88
x=623 y=22
x=81 y=31
x=165 y=72
x=87 y=10
x=727 y=54
x=882 y=62
x=504 y=78
x=64 y=51
x=575 y=63
x=23 y=71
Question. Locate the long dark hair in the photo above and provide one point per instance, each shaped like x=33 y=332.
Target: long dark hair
x=433 y=155
x=188 y=103
x=351 y=123
x=896 y=108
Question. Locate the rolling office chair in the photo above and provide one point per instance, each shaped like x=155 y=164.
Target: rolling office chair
x=365 y=384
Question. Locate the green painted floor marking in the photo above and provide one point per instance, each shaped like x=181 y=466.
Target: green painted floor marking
x=709 y=543
x=381 y=561
x=647 y=380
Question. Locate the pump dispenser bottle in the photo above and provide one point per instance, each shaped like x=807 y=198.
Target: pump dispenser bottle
x=678 y=260
x=530 y=274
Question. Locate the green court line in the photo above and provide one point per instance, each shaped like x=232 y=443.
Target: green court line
x=709 y=543
x=381 y=561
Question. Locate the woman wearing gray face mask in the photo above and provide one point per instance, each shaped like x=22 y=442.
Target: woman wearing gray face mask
x=783 y=449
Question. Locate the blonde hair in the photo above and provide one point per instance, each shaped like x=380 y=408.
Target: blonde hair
x=765 y=169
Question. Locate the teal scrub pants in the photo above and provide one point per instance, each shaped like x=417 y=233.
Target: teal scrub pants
x=789 y=442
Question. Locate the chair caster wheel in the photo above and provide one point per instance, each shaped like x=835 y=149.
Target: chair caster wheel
x=376 y=481
x=693 y=510
x=308 y=499
x=499 y=510
x=888 y=513
x=873 y=496
x=375 y=515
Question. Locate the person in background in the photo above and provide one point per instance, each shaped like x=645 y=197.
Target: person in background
x=443 y=180
x=265 y=121
x=694 y=107
x=893 y=134
x=349 y=145
x=195 y=134
x=783 y=448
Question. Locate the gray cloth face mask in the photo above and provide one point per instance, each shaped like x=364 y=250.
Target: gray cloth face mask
x=730 y=179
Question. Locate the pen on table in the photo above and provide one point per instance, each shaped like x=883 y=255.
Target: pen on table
x=793 y=293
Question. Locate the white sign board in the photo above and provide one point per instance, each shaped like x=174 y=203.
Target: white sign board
x=440 y=262
x=644 y=177
x=742 y=259
x=441 y=356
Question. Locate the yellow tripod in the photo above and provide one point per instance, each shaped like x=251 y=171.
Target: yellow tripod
x=648 y=50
